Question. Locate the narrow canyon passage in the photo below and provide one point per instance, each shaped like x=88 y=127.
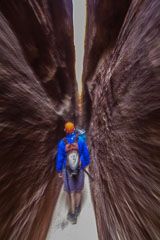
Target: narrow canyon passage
x=60 y=227
x=120 y=111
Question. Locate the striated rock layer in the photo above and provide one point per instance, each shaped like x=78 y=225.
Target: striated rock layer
x=104 y=20
x=122 y=89
x=37 y=92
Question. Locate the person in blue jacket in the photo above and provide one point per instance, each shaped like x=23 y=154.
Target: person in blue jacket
x=72 y=158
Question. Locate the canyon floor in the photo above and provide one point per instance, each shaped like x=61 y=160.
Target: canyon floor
x=61 y=229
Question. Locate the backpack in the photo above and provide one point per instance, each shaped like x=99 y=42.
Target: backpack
x=82 y=134
x=73 y=158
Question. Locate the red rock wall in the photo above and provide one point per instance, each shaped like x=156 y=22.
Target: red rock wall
x=123 y=91
x=37 y=92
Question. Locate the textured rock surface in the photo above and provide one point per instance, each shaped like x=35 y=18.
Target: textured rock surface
x=123 y=91
x=104 y=21
x=36 y=76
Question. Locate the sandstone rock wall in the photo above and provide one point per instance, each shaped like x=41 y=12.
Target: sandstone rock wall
x=104 y=20
x=37 y=91
x=123 y=91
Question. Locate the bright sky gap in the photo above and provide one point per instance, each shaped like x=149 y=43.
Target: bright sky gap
x=79 y=23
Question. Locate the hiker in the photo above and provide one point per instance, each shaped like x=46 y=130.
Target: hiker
x=72 y=159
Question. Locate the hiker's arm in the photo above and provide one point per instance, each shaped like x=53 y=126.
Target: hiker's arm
x=86 y=156
x=60 y=157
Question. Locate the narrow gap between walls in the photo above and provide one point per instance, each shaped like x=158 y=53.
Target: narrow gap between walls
x=79 y=24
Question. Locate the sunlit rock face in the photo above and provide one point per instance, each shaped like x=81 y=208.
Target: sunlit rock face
x=123 y=91
x=37 y=93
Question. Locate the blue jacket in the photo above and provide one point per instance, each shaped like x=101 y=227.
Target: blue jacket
x=61 y=154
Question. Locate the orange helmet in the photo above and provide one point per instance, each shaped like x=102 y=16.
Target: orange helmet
x=69 y=127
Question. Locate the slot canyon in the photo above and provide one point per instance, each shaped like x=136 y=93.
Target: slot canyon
x=120 y=110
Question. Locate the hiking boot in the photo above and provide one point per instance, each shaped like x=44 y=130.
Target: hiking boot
x=72 y=217
x=77 y=210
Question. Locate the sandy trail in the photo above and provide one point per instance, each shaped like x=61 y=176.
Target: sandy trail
x=61 y=229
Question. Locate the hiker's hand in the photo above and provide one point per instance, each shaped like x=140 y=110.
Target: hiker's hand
x=87 y=168
x=60 y=175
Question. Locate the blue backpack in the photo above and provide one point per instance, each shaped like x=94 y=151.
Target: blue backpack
x=82 y=134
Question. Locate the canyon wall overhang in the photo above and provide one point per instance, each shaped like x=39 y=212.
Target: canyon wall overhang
x=37 y=94
x=104 y=21
x=122 y=84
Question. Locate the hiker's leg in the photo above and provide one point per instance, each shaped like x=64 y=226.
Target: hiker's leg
x=71 y=216
x=69 y=201
x=79 y=187
x=78 y=197
x=68 y=187
x=73 y=202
